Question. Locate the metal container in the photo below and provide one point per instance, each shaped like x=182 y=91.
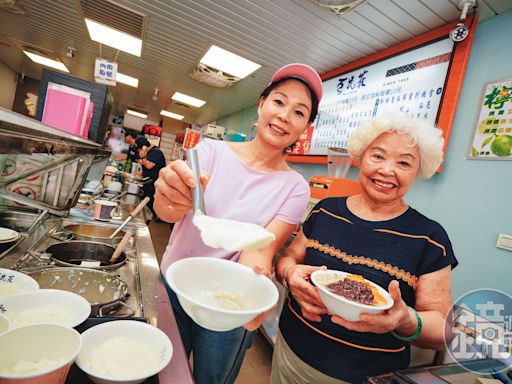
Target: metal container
x=18 y=221
x=89 y=232
x=105 y=293
x=76 y=253
x=132 y=188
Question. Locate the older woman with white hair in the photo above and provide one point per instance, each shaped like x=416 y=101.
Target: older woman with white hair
x=375 y=234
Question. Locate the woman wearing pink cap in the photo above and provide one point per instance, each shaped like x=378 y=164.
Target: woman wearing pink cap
x=248 y=182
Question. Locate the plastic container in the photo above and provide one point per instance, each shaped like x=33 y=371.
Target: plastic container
x=338 y=162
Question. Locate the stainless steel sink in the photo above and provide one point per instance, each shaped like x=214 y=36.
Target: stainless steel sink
x=16 y=220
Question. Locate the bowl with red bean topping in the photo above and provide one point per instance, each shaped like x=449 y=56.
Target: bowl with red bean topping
x=348 y=295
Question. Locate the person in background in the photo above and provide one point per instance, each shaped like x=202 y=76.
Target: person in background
x=133 y=151
x=250 y=182
x=375 y=234
x=152 y=161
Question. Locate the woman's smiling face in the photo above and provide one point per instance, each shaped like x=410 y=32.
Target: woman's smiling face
x=389 y=166
x=284 y=114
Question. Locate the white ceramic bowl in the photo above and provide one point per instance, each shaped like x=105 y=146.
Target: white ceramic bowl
x=5 y=324
x=14 y=282
x=34 y=344
x=207 y=286
x=341 y=306
x=51 y=306
x=123 y=352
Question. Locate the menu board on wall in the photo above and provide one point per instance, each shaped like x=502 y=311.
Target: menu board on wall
x=411 y=82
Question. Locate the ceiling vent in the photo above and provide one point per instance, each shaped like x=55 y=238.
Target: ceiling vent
x=213 y=77
x=24 y=46
x=13 y=6
x=114 y=16
x=339 y=7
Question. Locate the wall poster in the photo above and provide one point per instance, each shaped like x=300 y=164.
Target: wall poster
x=412 y=82
x=421 y=77
x=492 y=139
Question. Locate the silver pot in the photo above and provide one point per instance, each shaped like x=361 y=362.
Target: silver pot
x=75 y=253
x=105 y=293
x=89 y=232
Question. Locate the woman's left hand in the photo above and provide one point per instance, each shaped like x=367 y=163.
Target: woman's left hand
x=393 y=318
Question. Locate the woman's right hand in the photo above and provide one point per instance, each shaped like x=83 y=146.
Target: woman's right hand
x=172 y=190
x=306 y=294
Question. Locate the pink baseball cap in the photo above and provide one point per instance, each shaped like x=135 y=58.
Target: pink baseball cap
x=303 y=72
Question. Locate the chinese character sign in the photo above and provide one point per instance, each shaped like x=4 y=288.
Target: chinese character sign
x=493 y=131
x=302 y=145
x=105 y=72
x=411 y=82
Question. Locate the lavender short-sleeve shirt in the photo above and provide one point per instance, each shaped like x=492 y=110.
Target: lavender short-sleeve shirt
x=237 y=192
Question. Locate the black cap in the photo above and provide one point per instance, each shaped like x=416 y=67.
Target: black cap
x=141 y=141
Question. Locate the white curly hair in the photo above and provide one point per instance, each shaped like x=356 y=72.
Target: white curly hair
x=427 y=137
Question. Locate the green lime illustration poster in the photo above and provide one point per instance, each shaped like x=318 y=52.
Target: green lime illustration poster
x=493 y=133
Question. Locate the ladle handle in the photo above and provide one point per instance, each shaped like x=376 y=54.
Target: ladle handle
x=197 y=192
x=137 y=209
x=120 y=247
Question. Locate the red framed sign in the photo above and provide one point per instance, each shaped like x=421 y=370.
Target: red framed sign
x=421 y=77
x=191 y=138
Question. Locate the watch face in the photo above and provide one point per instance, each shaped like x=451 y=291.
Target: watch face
x=459 y=33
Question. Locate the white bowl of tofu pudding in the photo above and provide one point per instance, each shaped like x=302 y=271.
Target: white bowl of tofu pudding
x=38 y=354
x=348 y=295
x=50 y=306
x=14 y=282
x=123 y=352
x=218 y=294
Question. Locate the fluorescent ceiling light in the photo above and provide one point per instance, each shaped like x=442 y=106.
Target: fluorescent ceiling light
x=128 y=80
x=114 y=38
x=46 y=61
x=228 y=62
x=185 y=99
x=171 y=115
x=135 y=113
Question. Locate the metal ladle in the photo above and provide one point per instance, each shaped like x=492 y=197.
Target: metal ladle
x=197 y=192
x=230 y=235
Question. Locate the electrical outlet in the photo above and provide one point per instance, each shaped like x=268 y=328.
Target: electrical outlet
x=504 y=242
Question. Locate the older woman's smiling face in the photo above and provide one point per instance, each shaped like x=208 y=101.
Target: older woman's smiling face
x=389 y=166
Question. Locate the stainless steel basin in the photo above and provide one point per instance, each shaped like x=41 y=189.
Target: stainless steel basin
x=18 y=221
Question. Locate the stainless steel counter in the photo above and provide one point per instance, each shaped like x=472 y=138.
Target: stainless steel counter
x=141 y=272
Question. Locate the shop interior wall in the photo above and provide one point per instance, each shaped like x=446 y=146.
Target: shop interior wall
x=8 y=82
x=242 y=122
x=173 y=126
x=470 y=198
